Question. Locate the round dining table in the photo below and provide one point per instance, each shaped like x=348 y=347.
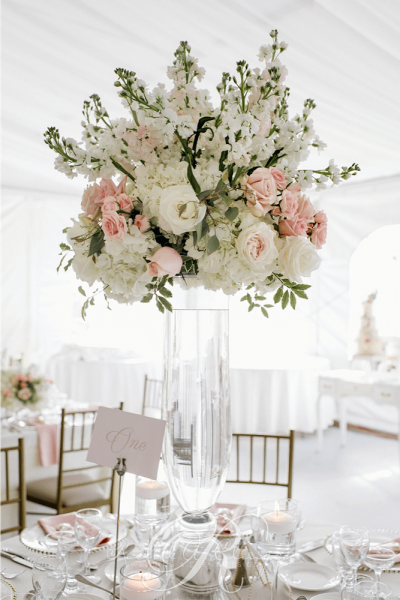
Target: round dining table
x=312 y=531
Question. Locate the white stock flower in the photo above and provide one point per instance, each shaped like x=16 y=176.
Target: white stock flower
x=256 y=247
x=180 y=210
x=298 y=258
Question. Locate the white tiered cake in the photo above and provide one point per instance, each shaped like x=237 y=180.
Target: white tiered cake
x=368 y=339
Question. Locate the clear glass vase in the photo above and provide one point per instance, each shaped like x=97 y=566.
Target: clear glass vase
x=196 y=399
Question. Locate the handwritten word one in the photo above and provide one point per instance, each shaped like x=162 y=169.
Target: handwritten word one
x=124 y=439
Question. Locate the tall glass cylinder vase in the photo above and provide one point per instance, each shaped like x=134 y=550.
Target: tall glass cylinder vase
x=196 y=406
x=196 y=399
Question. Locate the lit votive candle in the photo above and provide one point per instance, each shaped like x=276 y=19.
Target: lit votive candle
x=151 y=490
x=141 y=585
x=280 y=522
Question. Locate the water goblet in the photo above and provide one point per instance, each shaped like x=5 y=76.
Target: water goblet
x=378 y=559
x=279 y=541
x=74 y=566
x=49 y=577
x=88 y=532
x=144 y=579
x=347 y=591
x=371 y=590
x=354 y=542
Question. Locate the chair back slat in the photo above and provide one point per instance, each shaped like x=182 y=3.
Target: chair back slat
x=256 y=446
x=152 y=396
x=21 y=498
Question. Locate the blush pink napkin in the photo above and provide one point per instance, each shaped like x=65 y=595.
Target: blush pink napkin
x=227 y=515
x=53 y=524
x=49 y=440
x=393 y=545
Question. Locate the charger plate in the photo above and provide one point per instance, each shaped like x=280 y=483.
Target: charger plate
x=33 y=536
x=376 y=536
x=7 y=590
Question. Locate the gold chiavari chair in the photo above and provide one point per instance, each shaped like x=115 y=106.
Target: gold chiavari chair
x=74 y=487
x=152 y=397
x=21 y=498
x=265 y=459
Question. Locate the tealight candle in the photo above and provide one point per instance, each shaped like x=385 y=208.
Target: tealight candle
x=280 y=522
x=151 y=490
x=141 y=585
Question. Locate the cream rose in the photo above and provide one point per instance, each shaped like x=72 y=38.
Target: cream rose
x=256 y=246
x=172 y=200
x=298 y=258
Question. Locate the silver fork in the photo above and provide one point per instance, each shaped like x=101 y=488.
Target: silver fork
x=11 y=575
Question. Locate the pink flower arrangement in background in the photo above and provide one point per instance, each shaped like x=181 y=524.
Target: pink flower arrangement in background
x=19 y=389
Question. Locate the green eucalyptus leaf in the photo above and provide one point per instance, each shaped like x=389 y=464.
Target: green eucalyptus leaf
x=165 y=292
x=264 y=312
x=96 y=242
x=81 y=290
x=285 y=300
x=165 y=303
x=293 y=300
x=301 y=294
x=231 y=213
x=64 y=246
x=213 y=244
x=278 y=295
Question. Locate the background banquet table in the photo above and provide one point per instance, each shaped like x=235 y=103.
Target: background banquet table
x=311 y=531
x=277 y=395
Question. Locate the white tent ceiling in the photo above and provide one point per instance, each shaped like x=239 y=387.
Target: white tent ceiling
x=343 y=53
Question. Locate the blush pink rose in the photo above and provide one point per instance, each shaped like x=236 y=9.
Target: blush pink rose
x=6 y=392
x=321 y=217
x=125 y=203
x=279 y=177
x=296 y=226
x=142 y=223
x=306 y=210
x=289 y=204
x=24 y=394
x=108 y=188
x=88 y=204
x=294 y=187
x=318 y=235
x=109 y=205
x=260 y=191
x=114 y=226
x=166 y=261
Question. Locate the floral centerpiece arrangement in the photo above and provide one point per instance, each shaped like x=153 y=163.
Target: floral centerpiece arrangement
x=214 y=191
x=23 y=390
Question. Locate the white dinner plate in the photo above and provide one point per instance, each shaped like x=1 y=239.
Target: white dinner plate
x=327 y=596
x=33 y=536
x=376 y=536
x=309 y=576
x=84 y=596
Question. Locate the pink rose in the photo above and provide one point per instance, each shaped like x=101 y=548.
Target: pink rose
x=318 y=235
x=108 y=188
x=109 y=205
x=296 y=226
x=23 y=384
x=29 y=378
x=279 y=177
x=24 y=394
x=6 y=392
x=124 y=202
x=166 y=261
x=88 y=204
x=142 y=223
x=289 y=204
x=306 y=210
x=114 y=226
x=260 y=191
x=321 y=217
x=294 y=187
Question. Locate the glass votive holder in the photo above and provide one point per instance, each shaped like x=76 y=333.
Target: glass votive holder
x=281 y=517
x=143 y=580
x=152 y=497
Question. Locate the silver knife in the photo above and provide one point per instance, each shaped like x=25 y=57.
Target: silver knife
x=10 y=551
x=308 y=546
x=16 y=559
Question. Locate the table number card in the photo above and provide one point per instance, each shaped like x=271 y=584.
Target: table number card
x=120 y=434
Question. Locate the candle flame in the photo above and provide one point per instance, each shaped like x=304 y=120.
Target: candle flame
x=276 y=507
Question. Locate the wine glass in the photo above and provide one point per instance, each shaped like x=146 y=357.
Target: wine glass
x=342 y=566
x=49 y=577
x=88 y=532
x=74 y=566
x=354 y=542
x=372 y=590
x=378 y=559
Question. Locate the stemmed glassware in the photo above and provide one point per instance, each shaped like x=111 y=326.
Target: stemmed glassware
x=378 y=559
x=342 y=566
x=88 y=532
x=49 y=577
x=371 y=590
x=279 y=541
x=354 y=542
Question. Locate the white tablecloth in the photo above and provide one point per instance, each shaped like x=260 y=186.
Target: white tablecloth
x=103 y=382
x=274 y=397
x=311 y=531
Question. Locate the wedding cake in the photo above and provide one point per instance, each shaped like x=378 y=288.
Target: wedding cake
x=368 y=339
